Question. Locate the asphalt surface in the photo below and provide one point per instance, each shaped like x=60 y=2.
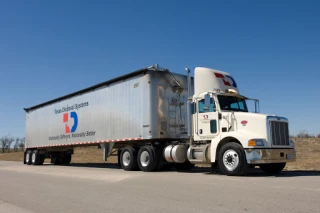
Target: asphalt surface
x=105 y=188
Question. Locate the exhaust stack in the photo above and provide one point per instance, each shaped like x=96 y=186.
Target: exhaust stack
x=189 y=104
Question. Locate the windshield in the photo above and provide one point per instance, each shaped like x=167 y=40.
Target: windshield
x=232 y=103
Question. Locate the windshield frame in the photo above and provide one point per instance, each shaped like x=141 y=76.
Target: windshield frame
x=240 y=99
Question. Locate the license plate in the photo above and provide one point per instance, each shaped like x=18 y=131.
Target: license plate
x=290 y=156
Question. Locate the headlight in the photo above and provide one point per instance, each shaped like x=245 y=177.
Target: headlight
x=255 y=142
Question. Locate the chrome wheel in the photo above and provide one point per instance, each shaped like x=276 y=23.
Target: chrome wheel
x=231 y=160
x=144 y=158
x=126 y=158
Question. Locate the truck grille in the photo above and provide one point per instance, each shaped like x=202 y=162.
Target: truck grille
x=279 y=133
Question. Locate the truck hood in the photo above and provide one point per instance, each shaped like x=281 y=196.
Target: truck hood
x=253 y=125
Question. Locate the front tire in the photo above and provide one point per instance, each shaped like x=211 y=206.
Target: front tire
x=272 y=168
x=232 y=160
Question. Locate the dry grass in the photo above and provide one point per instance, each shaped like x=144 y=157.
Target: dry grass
x=308 y=155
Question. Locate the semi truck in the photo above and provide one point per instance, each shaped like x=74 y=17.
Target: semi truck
x=153 y=118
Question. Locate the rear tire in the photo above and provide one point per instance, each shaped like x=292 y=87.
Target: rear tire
x=128 y=159
x=232 y=160
x=28 y=157
x=56 y=160
x=42 y=158
x=148 y=158
x=162 y=164
x=272 y=168
x=35 y=158
x=66 y=159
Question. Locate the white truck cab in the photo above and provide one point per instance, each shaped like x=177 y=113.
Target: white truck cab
x=226 y=134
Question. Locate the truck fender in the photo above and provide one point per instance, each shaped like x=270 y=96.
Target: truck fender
x=217 y=142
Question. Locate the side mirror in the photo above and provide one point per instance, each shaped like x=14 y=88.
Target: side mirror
x=207 y=101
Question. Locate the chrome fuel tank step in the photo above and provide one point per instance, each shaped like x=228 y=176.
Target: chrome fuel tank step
x=199 y=154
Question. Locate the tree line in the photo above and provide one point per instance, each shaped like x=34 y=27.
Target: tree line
x=9 y=143
x=305 y=134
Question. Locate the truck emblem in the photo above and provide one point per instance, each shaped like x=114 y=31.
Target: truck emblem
x=244 y=122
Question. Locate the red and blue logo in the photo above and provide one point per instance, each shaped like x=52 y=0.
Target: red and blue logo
x=71 y=115
x=226 y=80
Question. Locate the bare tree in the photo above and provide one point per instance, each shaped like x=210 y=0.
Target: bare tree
x=16 y=144
x=9 y=140
x=21 y=143
x=304 y=134
x=3 y=144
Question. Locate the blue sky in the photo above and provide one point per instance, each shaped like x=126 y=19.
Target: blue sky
x=51 y=48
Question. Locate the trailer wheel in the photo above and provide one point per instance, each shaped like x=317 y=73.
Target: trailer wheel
x=35 y=158
x=66 y=159
x=148 y=158
x=232 y=160
x=56 y=160
x=42 y=158
x=162 y=164
x=272 y=168
x=128 y=159
x=28 y=157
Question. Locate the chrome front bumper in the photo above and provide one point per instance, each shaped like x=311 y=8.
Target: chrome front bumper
x=260 y=156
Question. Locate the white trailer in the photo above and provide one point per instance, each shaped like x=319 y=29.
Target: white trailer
x=150 y=117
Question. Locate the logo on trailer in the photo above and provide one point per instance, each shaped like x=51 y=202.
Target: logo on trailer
x=74 y=117
x=205 y=116
x=227 y=80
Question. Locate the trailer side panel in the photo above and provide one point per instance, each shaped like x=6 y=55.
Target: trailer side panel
x=116 y=111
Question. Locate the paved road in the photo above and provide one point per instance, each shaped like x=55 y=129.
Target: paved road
x=100 y=188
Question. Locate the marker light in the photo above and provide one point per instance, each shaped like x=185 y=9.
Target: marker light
x=255 y=142
x=216 y=90
x=231 y=91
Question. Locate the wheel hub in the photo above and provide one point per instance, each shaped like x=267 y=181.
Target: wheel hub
x=126 y=158
x=230 y=160
x=144 y=158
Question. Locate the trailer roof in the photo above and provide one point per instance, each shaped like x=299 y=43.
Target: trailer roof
x=132 y=74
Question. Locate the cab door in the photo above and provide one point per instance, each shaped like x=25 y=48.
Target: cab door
x=208 y=118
